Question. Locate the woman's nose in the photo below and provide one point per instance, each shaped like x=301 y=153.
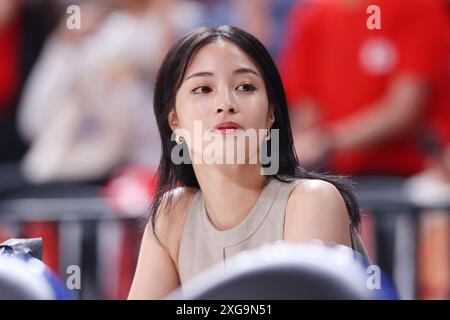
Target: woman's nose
x=228 y=107
x=226 y=104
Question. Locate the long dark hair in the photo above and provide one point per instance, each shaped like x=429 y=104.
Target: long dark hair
x=169 y=80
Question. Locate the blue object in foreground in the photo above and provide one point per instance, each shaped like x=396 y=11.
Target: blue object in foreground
x=291 y=271
x=25 y=277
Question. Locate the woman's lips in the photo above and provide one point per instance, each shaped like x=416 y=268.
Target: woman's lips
x=228 y=127
x=227 y=124
x=228 y=130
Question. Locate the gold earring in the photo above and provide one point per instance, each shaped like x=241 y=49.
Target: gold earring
x=268 y=134
x=179 y=139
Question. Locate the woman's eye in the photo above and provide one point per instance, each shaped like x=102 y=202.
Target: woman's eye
x=202 y=89
x=246 y=87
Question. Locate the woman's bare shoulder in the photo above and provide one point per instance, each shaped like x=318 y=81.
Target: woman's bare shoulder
x=315 y=187
x=317 y=193
x=316 y=209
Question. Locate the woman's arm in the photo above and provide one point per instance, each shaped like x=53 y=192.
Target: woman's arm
x=316 y=210
x=155 y=275
x=156 y=272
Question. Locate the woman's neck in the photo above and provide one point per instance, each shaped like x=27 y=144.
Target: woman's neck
x=229 y=191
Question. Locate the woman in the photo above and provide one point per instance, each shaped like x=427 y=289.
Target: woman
x=204 y=213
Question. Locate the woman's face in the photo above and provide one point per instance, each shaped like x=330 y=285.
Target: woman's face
x=221 y=84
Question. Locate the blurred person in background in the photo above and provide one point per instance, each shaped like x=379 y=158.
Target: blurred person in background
x=252 y=15
x=263 y=18
x=24 y=25
x=87 y=106
x=9 y=77
x=45 y=97
x=87 y=114
x=370 y=101
x=366 y=96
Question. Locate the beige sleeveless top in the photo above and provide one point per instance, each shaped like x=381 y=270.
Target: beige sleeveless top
x=203 y=245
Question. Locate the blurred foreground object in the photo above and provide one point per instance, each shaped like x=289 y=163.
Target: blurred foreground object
x=24 y=277
x=32 y=247
x=290 y=271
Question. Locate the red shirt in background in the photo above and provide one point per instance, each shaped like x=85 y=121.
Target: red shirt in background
x=332 y=57
x=9 y=62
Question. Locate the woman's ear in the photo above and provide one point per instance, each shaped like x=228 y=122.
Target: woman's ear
x=173 y=120
x=270 y=116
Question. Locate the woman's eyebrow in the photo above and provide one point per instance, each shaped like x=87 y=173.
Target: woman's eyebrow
x=199 y=74
x=245 y=70
x=208 y=73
